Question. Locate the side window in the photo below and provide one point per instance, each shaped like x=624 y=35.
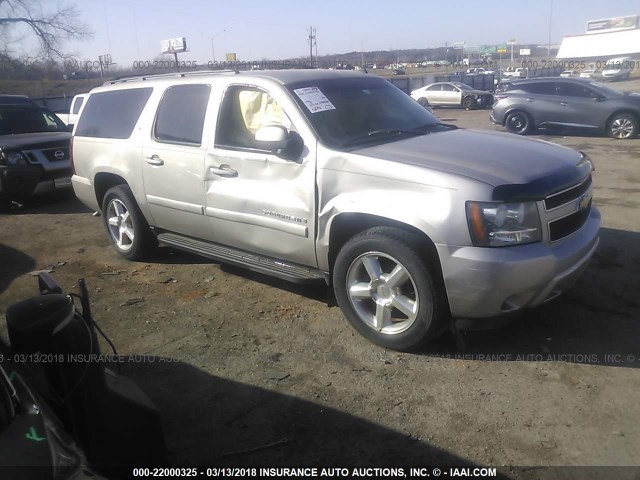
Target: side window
x=112 y=114
x=77 y=105
x=541 y=88
x=573 y=90
x=180 y=116
x=448 y=88
x=435 y=88
x=243 y=112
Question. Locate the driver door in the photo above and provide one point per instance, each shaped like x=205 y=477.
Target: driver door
x=255 y=200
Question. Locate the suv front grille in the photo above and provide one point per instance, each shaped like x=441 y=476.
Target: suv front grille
x=567 y=225
x=56 y=154
x=567 y=211
x=562 y=198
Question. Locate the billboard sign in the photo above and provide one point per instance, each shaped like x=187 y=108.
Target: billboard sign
x=231 y=57
x=612 y=24
x=525 y=51
x=174 y=45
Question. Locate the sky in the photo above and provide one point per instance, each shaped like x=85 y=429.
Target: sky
x=275 y=29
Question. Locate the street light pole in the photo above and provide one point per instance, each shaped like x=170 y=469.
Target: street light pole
x=213 y=52
x=550 y=16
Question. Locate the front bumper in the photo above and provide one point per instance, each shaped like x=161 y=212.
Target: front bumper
x=486 y=282
x=493 y=119
x=27 y=180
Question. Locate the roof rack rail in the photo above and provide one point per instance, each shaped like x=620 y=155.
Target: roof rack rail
x=153 y=76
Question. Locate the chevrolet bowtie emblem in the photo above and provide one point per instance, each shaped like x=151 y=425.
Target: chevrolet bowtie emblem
x=584 y=201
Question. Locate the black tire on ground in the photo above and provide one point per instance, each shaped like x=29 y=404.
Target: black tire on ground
x=518 y=122
x=126 y=227
x=622 y=126
x=381 y=274
x=424 y=102
x=469 y=103
x=5 y=203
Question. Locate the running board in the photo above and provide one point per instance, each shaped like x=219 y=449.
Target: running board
x=258 y=263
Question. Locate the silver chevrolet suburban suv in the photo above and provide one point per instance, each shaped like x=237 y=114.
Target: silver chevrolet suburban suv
x=310 y=175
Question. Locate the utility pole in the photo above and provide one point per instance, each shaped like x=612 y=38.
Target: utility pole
x=312 y=43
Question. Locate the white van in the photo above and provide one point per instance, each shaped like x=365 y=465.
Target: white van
x=618 y=68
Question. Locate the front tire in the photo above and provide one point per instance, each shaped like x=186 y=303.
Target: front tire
x=424 y=102
x=387 y=289
x=126 y=226
x=622 y=126
x=518 y=122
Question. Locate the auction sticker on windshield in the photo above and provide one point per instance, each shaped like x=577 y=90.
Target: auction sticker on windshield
x=314 y=99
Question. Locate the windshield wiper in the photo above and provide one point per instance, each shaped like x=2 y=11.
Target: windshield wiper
x=374 y=134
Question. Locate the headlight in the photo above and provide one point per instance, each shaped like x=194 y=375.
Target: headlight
x=584 y=158
x=501 y=224
x=16 y=158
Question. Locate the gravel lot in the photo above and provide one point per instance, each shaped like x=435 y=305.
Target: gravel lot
x=248 y=361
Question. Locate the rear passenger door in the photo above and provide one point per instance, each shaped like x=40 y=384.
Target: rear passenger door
x=450 y=95
x=173 y=160
x=540 y=101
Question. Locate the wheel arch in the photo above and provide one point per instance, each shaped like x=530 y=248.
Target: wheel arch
x=521 y=110
x=348 y=224
x=103 y=181
x=634 y=114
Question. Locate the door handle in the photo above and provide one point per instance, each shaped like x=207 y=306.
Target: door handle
x=564 y=104
x=224 y=170
x=154 y=160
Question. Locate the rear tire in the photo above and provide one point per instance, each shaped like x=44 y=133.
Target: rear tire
x=126 y=227
x=5 y=203
x=469 y=103
x=518 y=123
x=424 y=102
x=388 y=291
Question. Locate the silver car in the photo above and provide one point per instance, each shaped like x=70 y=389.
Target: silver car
x=338 y=176
x=522 y=106
x=452 y=94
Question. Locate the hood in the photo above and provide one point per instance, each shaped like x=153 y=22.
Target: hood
x=35 y=140
x=520 y=168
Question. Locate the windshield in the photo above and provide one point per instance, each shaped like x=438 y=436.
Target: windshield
x=362 y=111
x=18 y=119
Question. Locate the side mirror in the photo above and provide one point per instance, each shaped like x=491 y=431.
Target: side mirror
x=276 y=139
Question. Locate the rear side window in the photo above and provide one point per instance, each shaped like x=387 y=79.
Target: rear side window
x=542 y=88
x=112 y=114
x=77 y=105
x=181 y=113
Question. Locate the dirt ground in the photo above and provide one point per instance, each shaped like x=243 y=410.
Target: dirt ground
x=249 y=361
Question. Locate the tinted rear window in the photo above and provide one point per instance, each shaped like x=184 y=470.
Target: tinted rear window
x=77 y=105
x=112 y=114
x=181 y=114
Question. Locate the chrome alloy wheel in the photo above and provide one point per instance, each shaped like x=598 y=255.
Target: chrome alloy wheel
x=382 y=292
x=621 y=127
x=120 y=225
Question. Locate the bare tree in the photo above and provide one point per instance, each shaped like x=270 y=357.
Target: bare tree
x=50 y=26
